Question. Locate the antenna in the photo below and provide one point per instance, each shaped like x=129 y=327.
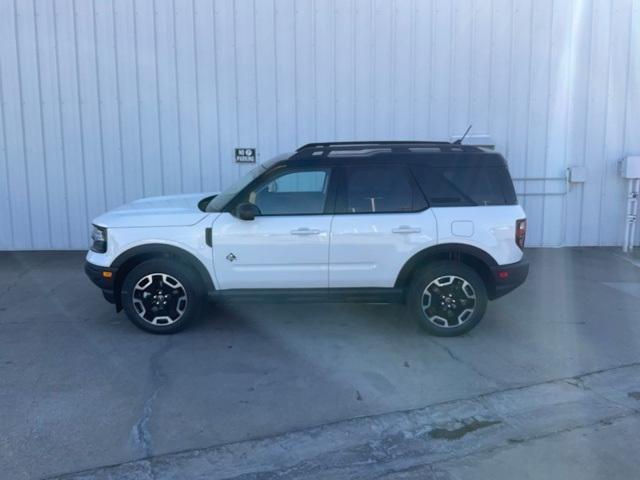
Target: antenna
x=459 y=141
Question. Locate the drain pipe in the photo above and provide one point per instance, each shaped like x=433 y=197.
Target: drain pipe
x=630 y=169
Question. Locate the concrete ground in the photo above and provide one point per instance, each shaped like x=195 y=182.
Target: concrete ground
x=547 y=386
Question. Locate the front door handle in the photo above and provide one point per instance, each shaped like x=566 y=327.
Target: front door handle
x=406 y=229
x=305 y=231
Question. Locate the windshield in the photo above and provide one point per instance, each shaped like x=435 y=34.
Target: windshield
x=220 y=201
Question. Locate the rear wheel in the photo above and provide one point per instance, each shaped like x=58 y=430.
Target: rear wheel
x=161 y=296
x=447 y=298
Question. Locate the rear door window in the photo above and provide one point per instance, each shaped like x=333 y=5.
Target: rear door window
x=378 y=189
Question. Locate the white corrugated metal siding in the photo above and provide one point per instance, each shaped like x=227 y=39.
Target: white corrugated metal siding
x=104 y=101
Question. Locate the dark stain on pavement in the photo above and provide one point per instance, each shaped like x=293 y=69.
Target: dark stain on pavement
x=467 y=427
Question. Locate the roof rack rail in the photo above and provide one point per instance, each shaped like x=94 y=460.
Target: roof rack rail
x=324 y=145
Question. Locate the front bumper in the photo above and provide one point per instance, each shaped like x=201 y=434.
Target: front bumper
x=104 y=278
x=506 y=278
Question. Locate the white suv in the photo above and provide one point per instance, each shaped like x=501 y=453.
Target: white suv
x=435 y=225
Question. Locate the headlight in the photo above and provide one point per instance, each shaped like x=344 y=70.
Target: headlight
x=99 y=238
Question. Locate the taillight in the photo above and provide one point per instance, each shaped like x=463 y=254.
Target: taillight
x=521 y=232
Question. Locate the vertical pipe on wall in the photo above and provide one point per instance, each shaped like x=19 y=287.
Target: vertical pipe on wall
x=634 y=213
x=627 y=223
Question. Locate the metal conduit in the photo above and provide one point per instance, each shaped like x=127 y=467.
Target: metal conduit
x=542 y=179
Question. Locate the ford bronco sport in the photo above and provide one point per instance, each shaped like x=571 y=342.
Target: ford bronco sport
x=435 y=225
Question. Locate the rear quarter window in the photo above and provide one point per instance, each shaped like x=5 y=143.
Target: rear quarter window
x=465 y=186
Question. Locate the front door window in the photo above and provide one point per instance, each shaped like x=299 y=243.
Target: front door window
x=302 y=192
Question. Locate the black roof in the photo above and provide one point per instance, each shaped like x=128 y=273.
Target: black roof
x=409 y=151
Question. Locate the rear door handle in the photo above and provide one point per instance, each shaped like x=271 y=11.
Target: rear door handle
x=305 y=231
x=406 y=229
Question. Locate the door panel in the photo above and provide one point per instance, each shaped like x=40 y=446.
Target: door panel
x=289 y=251
x=287 y=246
x=381 y=221
x=368 y=250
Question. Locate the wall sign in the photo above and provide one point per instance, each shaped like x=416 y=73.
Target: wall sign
x=246 y=155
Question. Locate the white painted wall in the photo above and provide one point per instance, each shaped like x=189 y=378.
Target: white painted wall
x=105 y=101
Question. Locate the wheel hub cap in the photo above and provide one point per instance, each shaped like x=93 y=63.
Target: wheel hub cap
x=159 y=299
x=448 y=301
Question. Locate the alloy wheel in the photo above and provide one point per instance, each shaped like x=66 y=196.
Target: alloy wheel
x=448 y=301
x=159 y=299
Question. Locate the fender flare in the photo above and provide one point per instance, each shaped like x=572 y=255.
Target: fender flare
x=151 y=250
x=453 y=251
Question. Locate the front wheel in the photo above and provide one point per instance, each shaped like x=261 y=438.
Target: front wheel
x=447 y=298
x=161 y=296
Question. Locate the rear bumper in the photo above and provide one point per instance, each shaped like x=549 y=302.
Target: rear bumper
x=507 y=278
x=106 y=283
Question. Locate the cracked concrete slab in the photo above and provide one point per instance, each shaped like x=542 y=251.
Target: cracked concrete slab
x=140 y=433
x=602 y=450
x=436 y=439
x=81 y=388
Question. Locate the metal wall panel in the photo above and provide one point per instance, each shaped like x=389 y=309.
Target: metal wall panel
x=106 y=101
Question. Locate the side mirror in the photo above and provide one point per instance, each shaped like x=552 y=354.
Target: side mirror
x=247 y=211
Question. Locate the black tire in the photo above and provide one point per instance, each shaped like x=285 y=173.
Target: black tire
x=167 y=304
x=443 y=310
